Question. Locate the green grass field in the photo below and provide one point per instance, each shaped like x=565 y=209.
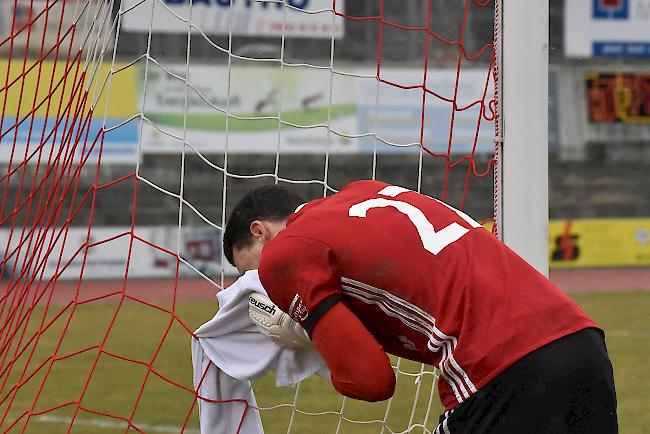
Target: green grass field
x=115 y=383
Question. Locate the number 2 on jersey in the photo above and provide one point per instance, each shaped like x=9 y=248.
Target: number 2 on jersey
x=432 y=240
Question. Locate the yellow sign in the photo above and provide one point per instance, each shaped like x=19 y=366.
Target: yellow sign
x=48 y=86
x=50 y=103
x=599 y=243
x=594 y=243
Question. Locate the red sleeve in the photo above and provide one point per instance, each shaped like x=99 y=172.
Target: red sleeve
x=360 y=368
x=300 y=275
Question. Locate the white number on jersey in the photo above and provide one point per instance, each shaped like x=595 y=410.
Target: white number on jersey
x=432 y=240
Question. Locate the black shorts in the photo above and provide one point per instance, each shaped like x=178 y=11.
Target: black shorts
x=564 y=387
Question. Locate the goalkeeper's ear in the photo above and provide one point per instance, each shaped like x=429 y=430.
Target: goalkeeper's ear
x=360 y=368
x=269 y=203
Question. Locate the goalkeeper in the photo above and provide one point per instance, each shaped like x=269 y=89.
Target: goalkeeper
x=377 y=268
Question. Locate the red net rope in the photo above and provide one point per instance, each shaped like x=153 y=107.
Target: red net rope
x=42 y=197
x=69 y=360
x=462 y=58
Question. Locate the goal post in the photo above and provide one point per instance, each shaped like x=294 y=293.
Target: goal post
x=521 y=196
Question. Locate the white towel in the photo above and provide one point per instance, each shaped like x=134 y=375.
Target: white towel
x=239 y=352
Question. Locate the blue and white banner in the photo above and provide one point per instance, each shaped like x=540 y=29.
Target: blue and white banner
x=609 y=28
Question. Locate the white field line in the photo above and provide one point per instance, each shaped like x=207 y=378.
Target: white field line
x=110 y=424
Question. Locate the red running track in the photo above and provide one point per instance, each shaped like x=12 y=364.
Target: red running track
x=161 y=292
x=602 y=280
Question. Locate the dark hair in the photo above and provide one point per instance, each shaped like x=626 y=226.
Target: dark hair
x=270 y=202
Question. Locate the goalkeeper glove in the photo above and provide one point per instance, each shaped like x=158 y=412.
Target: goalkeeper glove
x=275 y=323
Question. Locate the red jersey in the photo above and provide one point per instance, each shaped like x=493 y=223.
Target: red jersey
x=427 y=281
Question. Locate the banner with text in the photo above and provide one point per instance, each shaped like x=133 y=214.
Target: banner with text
x=607 y=28
x=300 y=18
x=110 y=247
x=298 y=109
x=584 y=243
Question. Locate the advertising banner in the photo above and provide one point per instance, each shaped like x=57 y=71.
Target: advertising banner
x=37 y=118
x=269 y=109
x=109 y=250
x=619 y=97
x=607 y=28
x=599 y=243
x=301 y=18
x=584 y=243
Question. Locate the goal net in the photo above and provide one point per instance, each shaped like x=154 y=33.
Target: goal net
x=129 y=130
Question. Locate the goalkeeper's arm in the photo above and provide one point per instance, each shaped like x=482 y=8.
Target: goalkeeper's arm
x=302 y=273
x=360 y=367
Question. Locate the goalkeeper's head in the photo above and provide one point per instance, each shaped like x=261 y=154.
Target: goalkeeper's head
x=255 y=220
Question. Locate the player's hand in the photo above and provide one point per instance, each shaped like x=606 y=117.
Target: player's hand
x=275 y=323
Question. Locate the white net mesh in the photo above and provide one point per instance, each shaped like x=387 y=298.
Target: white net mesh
x=130 y=129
